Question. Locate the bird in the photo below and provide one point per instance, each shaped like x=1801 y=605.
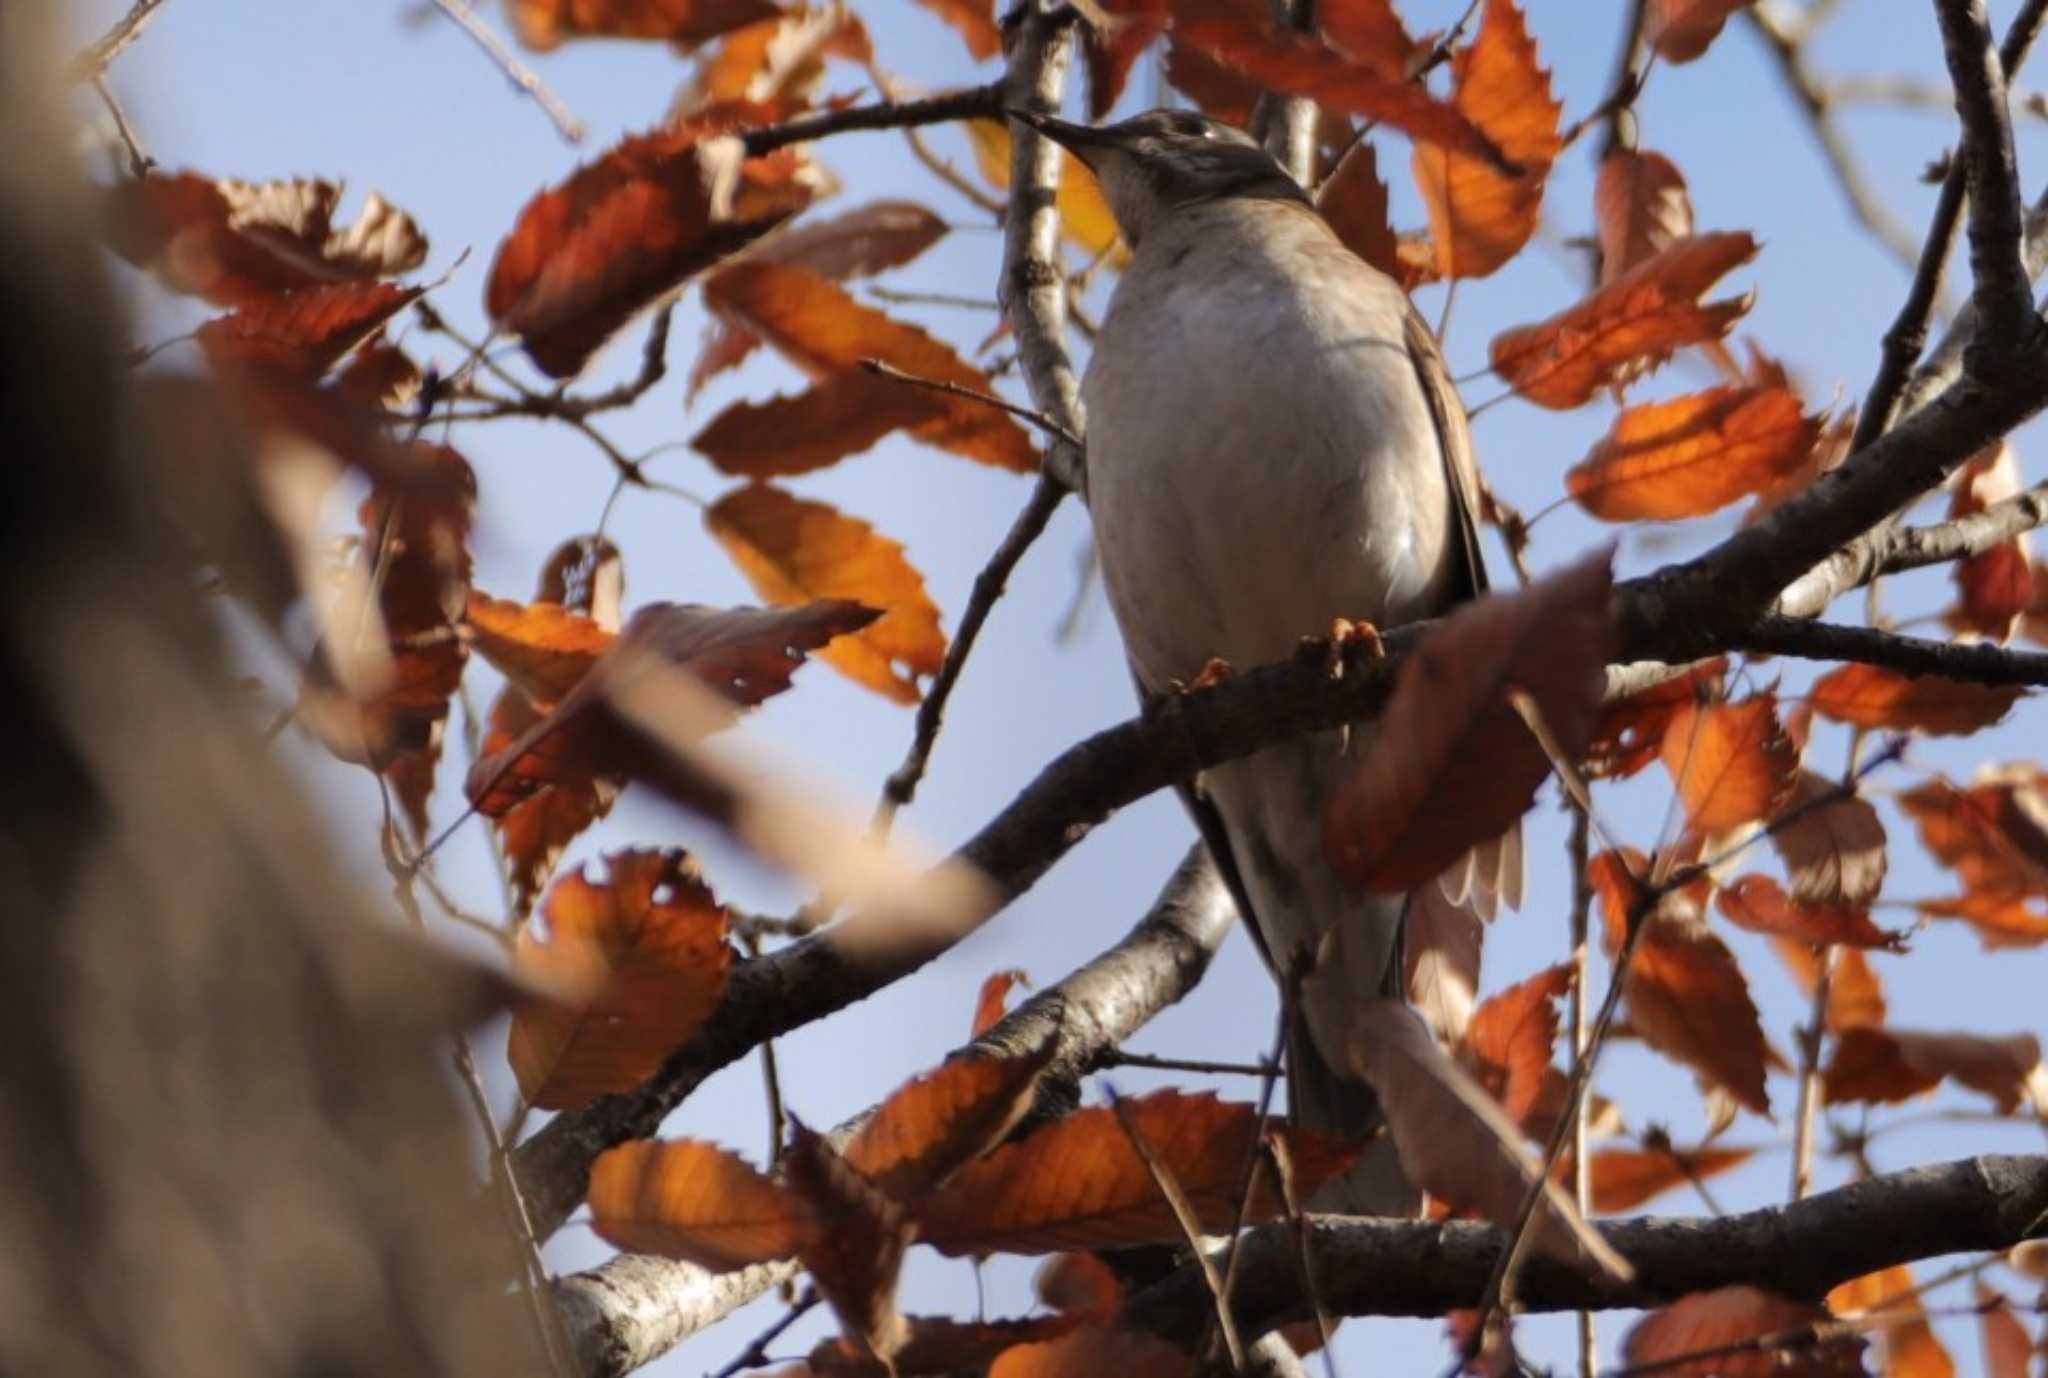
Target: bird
x=1274 y=447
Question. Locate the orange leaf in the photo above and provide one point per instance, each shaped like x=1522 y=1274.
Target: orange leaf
x=1078 y=1183
x=533 y=834
x=778 y=62
x=930 y=1127
x=1910 y=1349
x=1630 y=733
x=1096 y=1352
x=1996 y=587
x=1758 y=904
x=1114 y=47
x=1508 y=1043
x=1693 y=455
x=857 y=1251
x=1709 y=1322
x=1452 y=764
x=1891 y=1065
x=1624 y=1178
x=841 y=416
x=1994 y=834
x=819 y=327
x=1855 y=996
x=1369 y=33
x=792 y=550
x=1085 y=218
x=681 y=1198
x=1731 y=762
x=936 y=1346
x=1479 y=214
x=1244 y=37
x=2008 y=1348
x=303 y=333
x=544 y=649
x=236 y=242
x=989 y=1005
x=544 y=24
x=588 y=255
x=1628 y=326
x=974 y=21
x=649 y=945
x=1640 y=208
x=1834 y=851
x=1353 y=200
x=2000 y=920
x=1872 y=696
x=1680 y=30
x=1078 y=1282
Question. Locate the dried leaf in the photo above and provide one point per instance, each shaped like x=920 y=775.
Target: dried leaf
x=1078 y=1282
x=1085 y=218
x=301 y=334
x=1855 y=996
x=1454 y=1140
x=778 y=63
x=1910 y=1349
x=1995 y=588
x=1113 y=46
x=1481 y=215
x=1624 y=1178
x=1640 y=208
x=1353 y=200
x=930 y=1127
x=1874 y=697
x=844 y=415
x=1096 y=1352
x=990 y=1004
x=534 y=833
x=1993 y=834
x=1630 y=733
x=1834 y=851
x=974 y=21
x=1758 y=904
x=1368 y=32
x=2008 y=1348
x=1693 y=455
x=1732 y=763
x=1078 y=1183
x=2000 y=920
x=1627 y=327
x=1507 y=1048
x=543 y=649
x=856 y=1253
x=649 y=947
x=824 y=331
x=792 y=551
x=1885 y=1066
x=624 y=231
x=1453 y=764
x=1680 y=30
x=681 y=1198
x=544 y=24
x=934 y=1346
x=1708 y=1322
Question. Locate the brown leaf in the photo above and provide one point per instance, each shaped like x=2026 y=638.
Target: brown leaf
x=974 y=21
x=1454 y=1140
x=1368 y=32
x=1640 y=208
x=1709 y=1322
x=792 y=551
x=1085 y=217
x=2000 y=920
x=1508 y=1044
x=1885 y=1066
x=1630 y=733
x=544 y=24
x=1993 y=834
x=824 y=331
x=543 y=649
x=1910 y=1349
x=1834 y=851
x=989 y=1005
x=1995 y=587
x=1452 y=763
x=681 y=1198
x=588 y=255
x=931 y=1127
x=1245 y=38
x=2008 y=1348
x=1627 y=327
x=649 y=947
x=1874 y=697
x=1680 y=30
x=1758 y=904
x=1353 y=200
x=841 y=416
x=1096 y=1352
x=301 y=334
x=236 y=242
x=1078 y=1183
x=778 y=63
x=1481 y=215
x=1078 y=1282
x=933 y=1346
x=379 y=377
x=1731 y=763
x=1686 y=996
x=857 y=1251
x=1114 y=46
x=1624 y=1178
x=1855 y=996
x=533 y=834
x=1693 y=455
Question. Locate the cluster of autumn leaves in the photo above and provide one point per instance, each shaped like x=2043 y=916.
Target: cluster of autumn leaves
x=641 y=957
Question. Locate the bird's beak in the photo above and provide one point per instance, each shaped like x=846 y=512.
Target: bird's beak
x=1081 y=140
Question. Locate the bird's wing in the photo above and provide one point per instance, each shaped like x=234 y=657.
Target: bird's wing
x=1492 y=873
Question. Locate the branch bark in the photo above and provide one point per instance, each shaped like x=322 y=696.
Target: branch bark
x=1413 y=1268
x=2000 y=290
x=634 y=1308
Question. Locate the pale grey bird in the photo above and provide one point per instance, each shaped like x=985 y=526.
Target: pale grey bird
x=1274 y=443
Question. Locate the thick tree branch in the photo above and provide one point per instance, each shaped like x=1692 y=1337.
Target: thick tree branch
x=1962 y=537
x=1981 y=662
x=1412 y=1268
x=2001 y=290
x=634 y=1308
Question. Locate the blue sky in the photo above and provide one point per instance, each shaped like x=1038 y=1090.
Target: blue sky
x=391 y=97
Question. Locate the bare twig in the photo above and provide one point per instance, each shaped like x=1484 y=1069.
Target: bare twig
x=522 y=77
x=139 y=162
x=755 y=1355
x=968 y=103
x=100 y=53
x=1978 y=662
x=884 y=369
x=1283 y=1173
x=1117 y=1057
x=1580 y=851
x=1810 y=1039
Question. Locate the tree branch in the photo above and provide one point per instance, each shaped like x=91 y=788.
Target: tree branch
x=969 y=103
x=1800 y=1250
x=634 y=1308
x=100 y=54
x=2001 y=290
x=1981 y=662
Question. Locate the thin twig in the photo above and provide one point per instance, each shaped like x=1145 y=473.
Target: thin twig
x=518 y=73
x=1283 y=1173
x=100 y=54
x=1978 y=662
x=1810 y=1039
x=1580 y=851
x=1117 y=1057
x=139 y=162
x=967 y=103
x=882 y=368
x=755 y=1355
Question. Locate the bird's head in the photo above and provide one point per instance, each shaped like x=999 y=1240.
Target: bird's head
x=1154 y=164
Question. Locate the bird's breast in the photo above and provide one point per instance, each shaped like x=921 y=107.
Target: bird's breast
x=1262 y=459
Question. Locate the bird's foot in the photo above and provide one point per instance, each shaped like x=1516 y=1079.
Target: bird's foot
x=1346 y=638
x=1210 y=675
